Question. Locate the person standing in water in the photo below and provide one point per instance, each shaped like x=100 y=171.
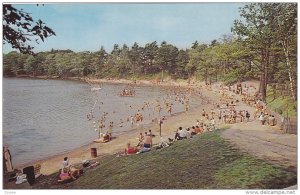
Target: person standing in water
x=111 y=124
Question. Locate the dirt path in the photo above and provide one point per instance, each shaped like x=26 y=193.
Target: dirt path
x=264 y=141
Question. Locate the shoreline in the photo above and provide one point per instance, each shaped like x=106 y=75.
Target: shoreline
x=52 y=163
x=167 y=82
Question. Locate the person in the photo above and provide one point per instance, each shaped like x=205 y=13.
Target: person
x=272 y=120
x=247 y=116
x=203 y=113
x=131 y=121
x=148 y=141
x=188 y=133
x=109 y=132
x=141 y=139
x=262 y=118
x=181 y=134
x=220 y=115
x=65 y=175
x=71 y=170
x=138 y=116
x=198 y=123
x=194 y=130
x=65 y=163
x=163 y=143
x=129 y=149
x=176 y=134
x=7 y=159
x=205 y=128
x=170 y=110
x=150 y=133
x=199 y=129
x=106 y=137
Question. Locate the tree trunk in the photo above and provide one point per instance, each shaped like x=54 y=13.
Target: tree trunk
x=205 y=76
x=288 y=63
x=263 y=84
x=263 y=87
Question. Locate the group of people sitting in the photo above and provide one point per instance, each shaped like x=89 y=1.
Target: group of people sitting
x=186 y=133
x=144 y=145
x=69 y=172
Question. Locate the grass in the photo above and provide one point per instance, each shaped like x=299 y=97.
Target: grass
x=282 y=104
x=203 y=162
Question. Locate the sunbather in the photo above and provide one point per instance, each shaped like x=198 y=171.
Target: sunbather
x=130 y=150
x=71 y=169
x=65 y=175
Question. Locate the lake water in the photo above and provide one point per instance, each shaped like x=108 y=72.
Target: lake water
x=42 y=118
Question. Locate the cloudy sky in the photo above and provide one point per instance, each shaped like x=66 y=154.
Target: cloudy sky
x=88 y=26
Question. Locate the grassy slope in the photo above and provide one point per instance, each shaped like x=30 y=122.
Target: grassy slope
x=203 y=162
x=284 y=103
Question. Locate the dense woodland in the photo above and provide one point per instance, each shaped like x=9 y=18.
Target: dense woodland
x=263 y=46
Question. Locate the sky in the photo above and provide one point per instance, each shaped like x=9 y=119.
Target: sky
x=88 y=26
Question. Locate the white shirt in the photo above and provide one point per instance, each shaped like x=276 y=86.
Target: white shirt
x=261 y=117
x=182 y=133
x=188 y=134
x=65 y=163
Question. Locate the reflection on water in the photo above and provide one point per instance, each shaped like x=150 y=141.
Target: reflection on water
x=46 y=117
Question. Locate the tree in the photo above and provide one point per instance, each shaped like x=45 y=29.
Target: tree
x=166 y=58
x=149 y=57
x=266 y=28
x=135 y=58
x=195 y=60
x=19 y=29
x=13 y=63
x=286 y=33
x=257 y=30
x=99 y=61
x=182 y=60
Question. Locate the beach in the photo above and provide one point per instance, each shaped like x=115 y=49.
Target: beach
x=212 y=95
x=53 y=163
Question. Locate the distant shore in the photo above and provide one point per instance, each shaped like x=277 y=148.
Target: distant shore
x=153 y=82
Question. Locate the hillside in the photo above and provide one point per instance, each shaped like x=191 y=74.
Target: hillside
x=206 y=161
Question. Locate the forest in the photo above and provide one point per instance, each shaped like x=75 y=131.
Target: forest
x=262 y=46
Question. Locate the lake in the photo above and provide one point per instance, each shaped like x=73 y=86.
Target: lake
x=42 y=118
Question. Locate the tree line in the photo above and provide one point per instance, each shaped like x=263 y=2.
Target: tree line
x=263 y=46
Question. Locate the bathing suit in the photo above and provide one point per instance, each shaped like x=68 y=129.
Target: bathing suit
x=64 y=175
x=130 y=150
x=147 y=146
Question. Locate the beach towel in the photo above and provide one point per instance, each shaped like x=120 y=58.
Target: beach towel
x=21 y=179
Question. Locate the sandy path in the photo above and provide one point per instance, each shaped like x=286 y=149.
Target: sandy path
x=263 y=141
